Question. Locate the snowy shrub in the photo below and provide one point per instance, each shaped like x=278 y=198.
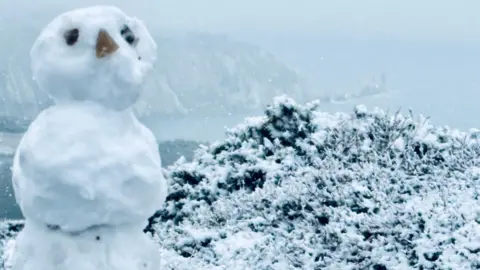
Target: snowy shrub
x=8 y=230
x=302 y=189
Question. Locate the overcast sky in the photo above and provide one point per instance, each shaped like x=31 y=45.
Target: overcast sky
x=402 y=19
x=421 y=60
x=431 y=20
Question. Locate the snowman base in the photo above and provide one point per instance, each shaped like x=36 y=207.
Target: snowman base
x=40 y=247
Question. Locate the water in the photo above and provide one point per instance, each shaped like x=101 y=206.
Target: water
x=8 y=208
x=456 y=109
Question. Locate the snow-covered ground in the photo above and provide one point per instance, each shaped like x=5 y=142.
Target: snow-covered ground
x=299 y=188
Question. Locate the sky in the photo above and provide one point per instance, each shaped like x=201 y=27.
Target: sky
x=412 y=20
x=328 y=39
x=429 y=49
x=358 y=19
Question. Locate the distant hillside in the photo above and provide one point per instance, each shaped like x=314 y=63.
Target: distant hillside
x=195 y=72
x=206 y=72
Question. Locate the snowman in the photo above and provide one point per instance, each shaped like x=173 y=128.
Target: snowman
x=87 y=174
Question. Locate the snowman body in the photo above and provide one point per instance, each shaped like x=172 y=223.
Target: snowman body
x=87 y=174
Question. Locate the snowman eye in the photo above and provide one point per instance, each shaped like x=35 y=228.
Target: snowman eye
x=71 y=36
x=128 y=35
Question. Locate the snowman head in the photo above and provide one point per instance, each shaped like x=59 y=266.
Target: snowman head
x=94 y=54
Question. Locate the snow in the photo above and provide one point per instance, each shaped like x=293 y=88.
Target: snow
x=87 y=174
x=8 y=250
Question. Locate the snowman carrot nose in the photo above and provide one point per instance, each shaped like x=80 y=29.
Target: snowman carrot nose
x=105 y=44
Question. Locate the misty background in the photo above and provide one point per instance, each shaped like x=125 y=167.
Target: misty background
x=428 y=52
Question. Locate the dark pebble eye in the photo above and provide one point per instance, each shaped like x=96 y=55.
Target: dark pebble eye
x=130 y=39
x=71 y=36
x=128 y=35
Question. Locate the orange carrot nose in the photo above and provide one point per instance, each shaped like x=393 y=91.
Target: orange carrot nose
x=105 y=44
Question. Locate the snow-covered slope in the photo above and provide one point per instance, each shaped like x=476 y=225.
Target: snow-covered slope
x=301 y=189
x=210 y=73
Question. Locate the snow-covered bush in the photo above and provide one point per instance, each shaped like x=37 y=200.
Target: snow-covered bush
x=298 y=188
x=8 y=230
